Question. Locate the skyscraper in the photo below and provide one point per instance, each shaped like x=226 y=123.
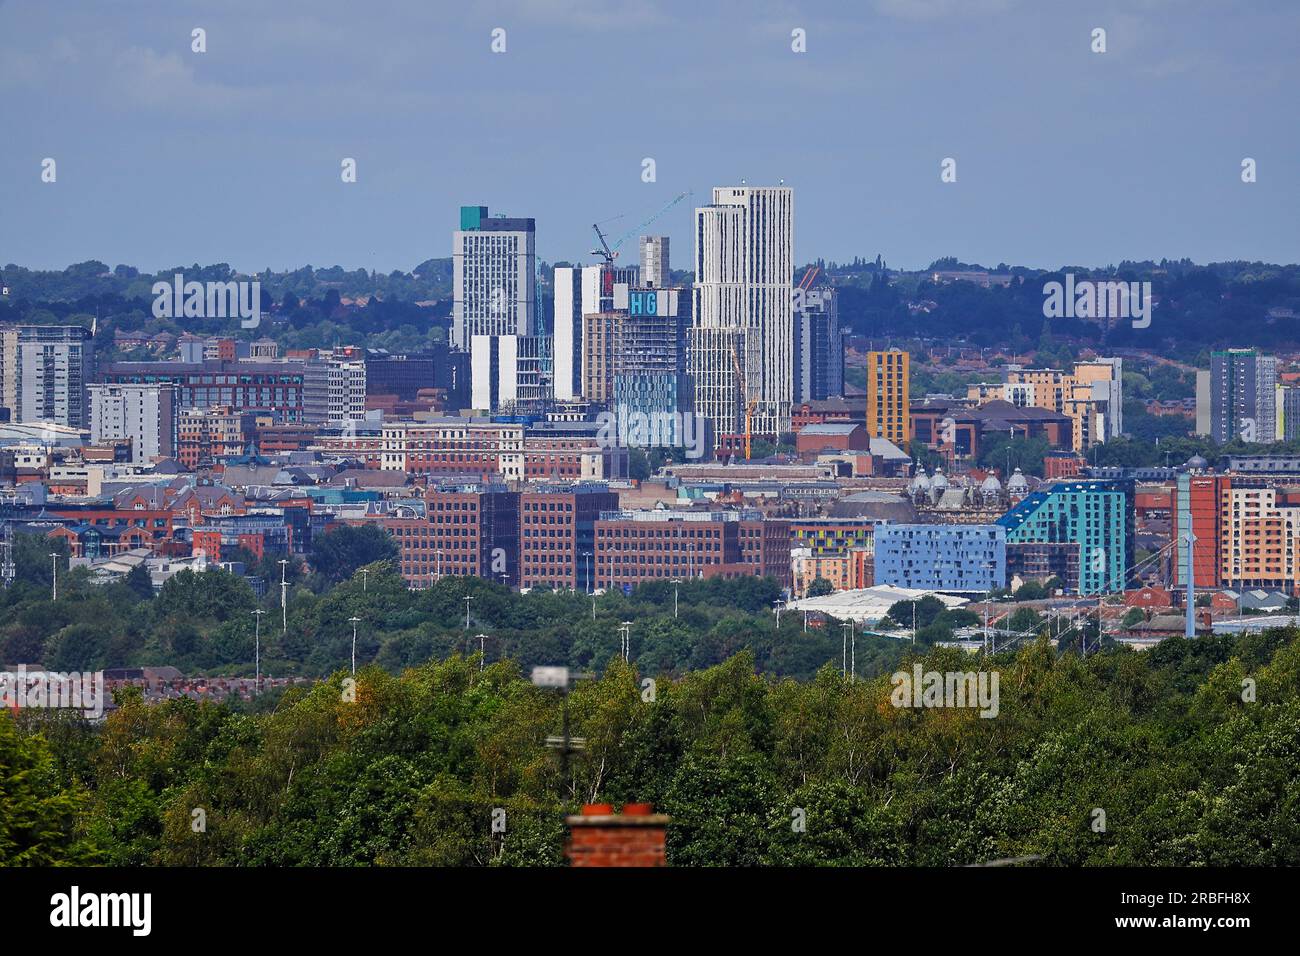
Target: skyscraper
x=888 y=382
x=494 y=279
x=818 y=346
x=44 y=371
x=1242 y=396
x=494 y=282
x=741 y=343
x=580 y=291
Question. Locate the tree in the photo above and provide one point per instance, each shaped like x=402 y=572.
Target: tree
x=338 y=553
x=139 y=582
x=820 y=587
x=927 y=609
x=37 y=815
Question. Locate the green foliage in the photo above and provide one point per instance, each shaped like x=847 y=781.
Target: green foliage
x=338 y=553
x=752 y=770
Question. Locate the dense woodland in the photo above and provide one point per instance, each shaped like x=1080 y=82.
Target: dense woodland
x=1120 y=758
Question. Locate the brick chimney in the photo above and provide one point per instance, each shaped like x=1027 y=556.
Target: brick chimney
x=601 y=837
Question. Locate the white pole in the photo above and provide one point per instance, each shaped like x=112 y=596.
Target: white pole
x=257 y=648
x=54 y=581
x=284 y=598
x=354 y=621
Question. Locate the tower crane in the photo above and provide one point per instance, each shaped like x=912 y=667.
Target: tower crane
x=610 y=253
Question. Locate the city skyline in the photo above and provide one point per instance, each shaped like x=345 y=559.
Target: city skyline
x=253 y=131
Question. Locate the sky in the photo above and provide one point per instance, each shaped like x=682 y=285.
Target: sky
x=1064 y=156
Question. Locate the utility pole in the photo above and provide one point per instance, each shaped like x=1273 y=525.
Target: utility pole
x=677 y=588
x=284 y=597
x=482 y=653
x=257 y=648
x=54 y=581
x=587 y=557
x=1189 y=625
x=777 y=605
x=468 y=598
x=355 y=621
x=365 y=578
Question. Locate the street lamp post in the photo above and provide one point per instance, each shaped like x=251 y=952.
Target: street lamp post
x=54 y=581
x=587 y=557
x=284 y=597
x=365 y=578
x=626 y=643
x=257 y=649
x=355 y=621
x=468 y=598
x=844 y=648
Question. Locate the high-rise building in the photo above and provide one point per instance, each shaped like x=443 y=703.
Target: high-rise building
x=146 y=414
x=655 y=272
x=888 y=381
x=1242 y=396
x=567 y=333
x=1288 y=407
x=494 y=280
x=741 y=340
x=507 y=372
x=44 y=371
x=818 y=346
x=334 y=387
x=494 y=286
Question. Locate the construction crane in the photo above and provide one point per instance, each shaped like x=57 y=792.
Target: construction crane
x=610 y=253
x=747 y=403
x=806 y=283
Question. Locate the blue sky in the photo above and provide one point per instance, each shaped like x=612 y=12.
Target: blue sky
x=1064 y=156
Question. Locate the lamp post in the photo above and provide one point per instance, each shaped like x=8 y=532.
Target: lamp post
x=54 y=581
x=365 y=578
x=355 y=621
x=587 y=557
x=468 y=598
x=284 y=597
x=844 y=649
x=257 y=649
x=482 y=652
x=437 y=573
x=777 y=605
x=626 y=644
x=677 y=586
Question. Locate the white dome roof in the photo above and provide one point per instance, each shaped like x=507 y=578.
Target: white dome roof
x=1017 y=482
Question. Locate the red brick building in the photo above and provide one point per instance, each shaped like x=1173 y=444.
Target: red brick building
x=557 y=534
